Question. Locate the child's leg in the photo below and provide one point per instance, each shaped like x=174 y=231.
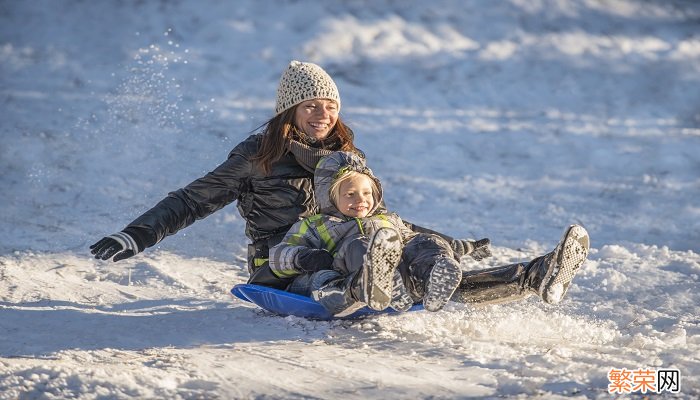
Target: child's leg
x=372 y=281
x=330 y=289
x=401 y=300
x=351 y=257
x=301 y=285
x=433 y=273
x=333 y=288
x=378 y=271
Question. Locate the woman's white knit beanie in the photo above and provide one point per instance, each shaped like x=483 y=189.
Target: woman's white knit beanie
x=304 y=81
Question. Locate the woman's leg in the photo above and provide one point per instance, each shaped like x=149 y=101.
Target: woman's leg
x=548 y=276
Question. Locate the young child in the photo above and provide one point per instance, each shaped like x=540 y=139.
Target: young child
x=354 y=246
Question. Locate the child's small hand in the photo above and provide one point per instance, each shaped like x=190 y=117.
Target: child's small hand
x=312 y=260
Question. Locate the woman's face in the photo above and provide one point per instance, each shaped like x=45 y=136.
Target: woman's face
x=355 y=197
x=316 y=117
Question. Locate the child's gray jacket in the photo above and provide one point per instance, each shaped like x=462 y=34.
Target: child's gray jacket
x=330 y=229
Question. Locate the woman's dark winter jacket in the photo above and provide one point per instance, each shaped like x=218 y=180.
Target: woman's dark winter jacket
x=270 y=204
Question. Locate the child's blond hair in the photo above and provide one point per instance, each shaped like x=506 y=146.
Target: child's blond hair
x=335 y=187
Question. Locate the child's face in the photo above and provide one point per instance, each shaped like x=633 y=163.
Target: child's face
x=355 y=197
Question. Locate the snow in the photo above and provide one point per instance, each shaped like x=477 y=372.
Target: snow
x=508 y=120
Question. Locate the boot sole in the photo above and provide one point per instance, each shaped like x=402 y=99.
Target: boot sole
x=383 y=255
x=348 y=311
x=400 y=299
x=569 y=256
x=442 y=283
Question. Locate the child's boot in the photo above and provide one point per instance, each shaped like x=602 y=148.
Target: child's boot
x=442 y=282
x=373 y=284
x=400 y=299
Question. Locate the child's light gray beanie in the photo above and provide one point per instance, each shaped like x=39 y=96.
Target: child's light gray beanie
x=303 y=81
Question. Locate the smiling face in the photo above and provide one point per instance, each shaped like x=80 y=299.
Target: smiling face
x=355 y=196
x=316 y=117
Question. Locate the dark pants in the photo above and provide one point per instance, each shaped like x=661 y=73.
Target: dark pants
x=418 y=258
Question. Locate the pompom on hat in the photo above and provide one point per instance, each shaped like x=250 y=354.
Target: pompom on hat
x=303 y=81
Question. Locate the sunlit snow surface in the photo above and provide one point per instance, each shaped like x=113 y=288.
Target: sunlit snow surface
x=508 y=120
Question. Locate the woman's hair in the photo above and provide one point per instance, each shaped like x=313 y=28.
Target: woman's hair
x=279 y=129
x=335 y=187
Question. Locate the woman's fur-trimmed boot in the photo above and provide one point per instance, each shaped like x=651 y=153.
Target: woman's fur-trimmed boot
x=551 y=275
x=548 y=276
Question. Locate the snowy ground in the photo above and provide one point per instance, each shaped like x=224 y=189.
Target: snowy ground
x=506 y=119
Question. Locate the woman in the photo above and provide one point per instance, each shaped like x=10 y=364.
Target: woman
x=269 y=174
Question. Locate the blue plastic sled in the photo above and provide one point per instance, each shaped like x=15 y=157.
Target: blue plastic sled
x=285 y=303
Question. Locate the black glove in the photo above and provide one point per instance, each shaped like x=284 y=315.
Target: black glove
x=121 y=243
x=478 y=249
x=313 y=260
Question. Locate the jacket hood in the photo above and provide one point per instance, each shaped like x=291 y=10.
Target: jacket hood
x=333 y=167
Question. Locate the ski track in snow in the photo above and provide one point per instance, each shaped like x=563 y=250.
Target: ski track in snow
x=508 y=120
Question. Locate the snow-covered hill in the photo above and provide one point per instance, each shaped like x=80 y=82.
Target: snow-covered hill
x=506 y=120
